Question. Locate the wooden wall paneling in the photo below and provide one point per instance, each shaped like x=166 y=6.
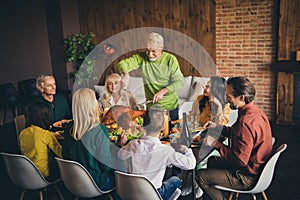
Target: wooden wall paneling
x=285 y=95
x=288 y=36
x=190 y=17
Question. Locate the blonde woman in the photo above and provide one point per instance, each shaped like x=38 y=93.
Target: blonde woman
x=114 y=94
x=86 y=141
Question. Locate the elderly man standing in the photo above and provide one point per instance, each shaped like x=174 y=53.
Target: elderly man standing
x=161 y=74
x=239 y=166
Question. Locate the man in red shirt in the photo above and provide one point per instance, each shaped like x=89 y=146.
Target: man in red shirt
x=239 y=166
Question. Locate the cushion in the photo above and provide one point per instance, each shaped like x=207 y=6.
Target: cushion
x=136 y=86
x=198 y=84
x=196 y=90
x=184 y=92
x=99 y=89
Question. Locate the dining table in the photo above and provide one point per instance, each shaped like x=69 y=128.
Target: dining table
x=201 y=152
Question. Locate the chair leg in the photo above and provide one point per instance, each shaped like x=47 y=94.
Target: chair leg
x=230 y=196
x=58 y=192
x=22 y=195
x=253 y=196
x=237 y=195
x=41 y=195
x=110 y=197
x=264 y=195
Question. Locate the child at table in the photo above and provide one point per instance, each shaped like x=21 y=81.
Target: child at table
x=147 y=156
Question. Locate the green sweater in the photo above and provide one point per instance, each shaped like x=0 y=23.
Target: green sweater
x=162 y=73
x=93 y=152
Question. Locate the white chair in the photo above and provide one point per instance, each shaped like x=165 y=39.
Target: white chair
x=25 y=175
x=185 y=107
x=78 y=180
x=136 y=187
x=264 y=180
x=232 y=117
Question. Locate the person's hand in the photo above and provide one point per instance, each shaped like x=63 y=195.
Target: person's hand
x=61 y=123
x=58 y=134
x=209 y=141
x=182 y=148
x=125 y=80
x=209 y=124
x=122 y=140
x=159 y=95
x=58 y=124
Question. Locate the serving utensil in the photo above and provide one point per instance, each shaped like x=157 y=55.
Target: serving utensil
x=147 y=101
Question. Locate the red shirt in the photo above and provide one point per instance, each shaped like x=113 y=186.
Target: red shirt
x=251 y=138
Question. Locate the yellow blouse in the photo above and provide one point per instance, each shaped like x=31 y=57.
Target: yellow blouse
x=35 y=143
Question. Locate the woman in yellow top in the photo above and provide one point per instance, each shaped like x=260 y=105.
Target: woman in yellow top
x=211 y=105
x=36 y=140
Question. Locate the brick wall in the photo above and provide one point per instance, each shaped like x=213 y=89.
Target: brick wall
x=246 y=44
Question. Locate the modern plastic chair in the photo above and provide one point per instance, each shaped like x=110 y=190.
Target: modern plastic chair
x=273 y=140
x=136 y=187
x=264 y=180
x=25 y=175
x=232 y=117
x=78 y=180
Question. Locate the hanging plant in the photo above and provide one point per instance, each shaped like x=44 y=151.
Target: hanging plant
x=78 y=46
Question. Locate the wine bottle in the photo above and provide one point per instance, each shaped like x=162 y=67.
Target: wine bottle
x=185 y=136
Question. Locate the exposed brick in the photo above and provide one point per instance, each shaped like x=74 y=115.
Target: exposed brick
x=246 y=45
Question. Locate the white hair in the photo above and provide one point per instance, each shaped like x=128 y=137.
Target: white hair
x=155 y=39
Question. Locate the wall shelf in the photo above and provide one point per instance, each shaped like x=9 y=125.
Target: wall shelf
x=286 y=66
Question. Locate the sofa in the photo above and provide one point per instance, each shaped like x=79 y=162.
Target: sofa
x=192 y=87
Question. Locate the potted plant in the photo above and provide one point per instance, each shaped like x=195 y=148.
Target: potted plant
x=77 y=47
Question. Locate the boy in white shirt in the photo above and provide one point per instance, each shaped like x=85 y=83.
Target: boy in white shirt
x=147 y=156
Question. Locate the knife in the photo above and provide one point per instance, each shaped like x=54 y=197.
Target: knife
x=147 y=101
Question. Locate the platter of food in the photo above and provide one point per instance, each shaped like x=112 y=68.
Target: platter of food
x=134 y=132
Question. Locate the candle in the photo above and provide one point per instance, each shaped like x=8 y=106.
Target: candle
x=166 y=126
x=298 y=55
